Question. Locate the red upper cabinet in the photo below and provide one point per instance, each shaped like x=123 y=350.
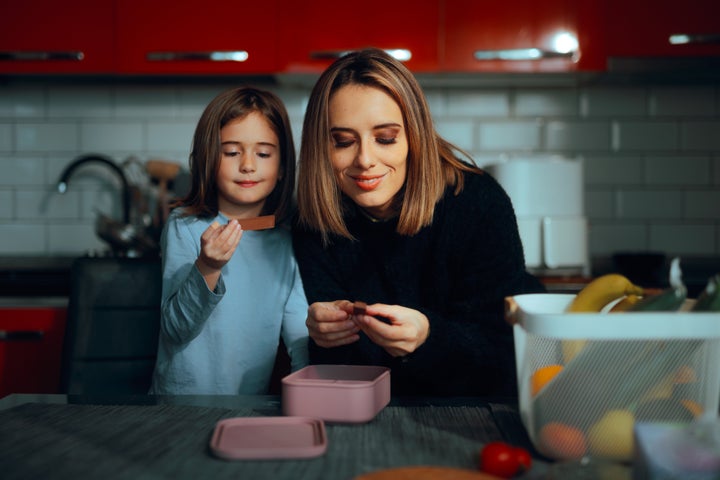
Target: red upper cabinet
x=188 y=37
x=312 y=34
x=47 y=36
x=663 y=28
x=523 y=36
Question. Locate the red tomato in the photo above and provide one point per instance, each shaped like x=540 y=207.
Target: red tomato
x=524 y=459
x=504 y=460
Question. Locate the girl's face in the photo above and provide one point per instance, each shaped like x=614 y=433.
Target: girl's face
x=369 y=147
x=249 y=165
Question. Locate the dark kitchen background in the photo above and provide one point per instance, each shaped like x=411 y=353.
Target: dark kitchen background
x=627 y=89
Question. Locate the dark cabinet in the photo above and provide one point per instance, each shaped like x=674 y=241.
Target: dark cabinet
x=312 y=34
x=663 y=28
x=522 y=36
x=187 y=37
x=46 y=36
x=31 y=340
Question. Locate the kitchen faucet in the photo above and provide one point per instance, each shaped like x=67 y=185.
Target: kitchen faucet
x=94 y=158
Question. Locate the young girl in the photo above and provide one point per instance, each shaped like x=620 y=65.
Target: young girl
x=228 y=294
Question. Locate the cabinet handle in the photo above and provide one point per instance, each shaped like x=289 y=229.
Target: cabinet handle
x=517 y=54
x=17 y=335
x=401 y=54
x=691 y=38
x=41 y=56
x=217 y=56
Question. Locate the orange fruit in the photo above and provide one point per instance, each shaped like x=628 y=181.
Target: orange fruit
x=562 y=442
x=694 y=407
x=542 y=376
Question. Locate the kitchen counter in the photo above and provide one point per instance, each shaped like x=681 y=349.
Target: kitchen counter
x=145 y=436
x=35 y=276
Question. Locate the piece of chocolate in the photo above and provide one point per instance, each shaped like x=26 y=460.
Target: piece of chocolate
x=359 y=308
x=257 y=223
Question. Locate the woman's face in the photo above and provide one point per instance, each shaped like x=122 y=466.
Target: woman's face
x=249 y=165
x=368 y=148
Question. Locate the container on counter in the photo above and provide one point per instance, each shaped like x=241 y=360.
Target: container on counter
x=586 y=379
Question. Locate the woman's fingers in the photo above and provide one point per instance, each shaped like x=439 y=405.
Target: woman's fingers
x=329 y=324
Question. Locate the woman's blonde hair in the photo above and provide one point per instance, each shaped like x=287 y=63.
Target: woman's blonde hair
x=202 y=199
x=431 y=164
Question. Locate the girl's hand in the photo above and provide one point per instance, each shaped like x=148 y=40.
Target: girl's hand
x=217 y=245
x=408 y=328
x=329 y=323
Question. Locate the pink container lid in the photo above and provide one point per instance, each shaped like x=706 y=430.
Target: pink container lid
x=268 y=438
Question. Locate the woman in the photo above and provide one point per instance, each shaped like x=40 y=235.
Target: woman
x=389 y=216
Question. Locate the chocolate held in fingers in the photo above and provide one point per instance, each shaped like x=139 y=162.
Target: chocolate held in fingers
x=359 y=308
x=257 y=223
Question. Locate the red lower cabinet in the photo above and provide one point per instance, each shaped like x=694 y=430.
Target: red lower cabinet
x=31 y=342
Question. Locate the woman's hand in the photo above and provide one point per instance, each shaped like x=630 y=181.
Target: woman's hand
x=217 y=245
x=408 y=328
x=329 y=323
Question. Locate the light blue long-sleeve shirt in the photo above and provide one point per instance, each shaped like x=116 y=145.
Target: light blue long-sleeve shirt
x=225 y=341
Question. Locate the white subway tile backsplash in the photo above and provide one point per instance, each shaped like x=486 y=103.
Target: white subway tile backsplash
x=107 y=137
x=22 y=102
x=683 y=239
x=479 y=103
x=46 y=204
x=548 y=102
x=437 y=102
x=295 y=101
x=46 y=137
x=649 y=205
x=607 y=170
x=7 y=204
x=613 y=102
x=457 y=132
x=600 y=204
x=682 y=101
x=75 y=238
x=166 y=136
x=6 y=137
x=193 y=100
x=651 y=136
x=701 y=135
x=146 y=102
x=577 y=135
x=80 y=102
x=672 y=170
x=607 y=238
x=702 y=204
x=19 y=238
x=651 y=152
x=22 y=170
x=509 y=136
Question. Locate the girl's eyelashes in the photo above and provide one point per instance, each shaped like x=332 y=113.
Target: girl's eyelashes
x=235 y=153
x=386 y=140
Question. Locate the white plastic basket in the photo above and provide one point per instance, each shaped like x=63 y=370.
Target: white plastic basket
x=628 y=367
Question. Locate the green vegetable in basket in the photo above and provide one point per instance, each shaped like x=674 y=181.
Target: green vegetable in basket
x=709 y=299
x=668 y=300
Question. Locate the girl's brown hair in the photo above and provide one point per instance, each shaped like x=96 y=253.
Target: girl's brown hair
x=431 y=164
x=202 y=199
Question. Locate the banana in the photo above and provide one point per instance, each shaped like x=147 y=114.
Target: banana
x=601 y=291
x=592 y=298
x=626 y=303
x=709 y=299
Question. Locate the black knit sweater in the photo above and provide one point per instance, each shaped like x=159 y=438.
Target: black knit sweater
x=457 y=272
